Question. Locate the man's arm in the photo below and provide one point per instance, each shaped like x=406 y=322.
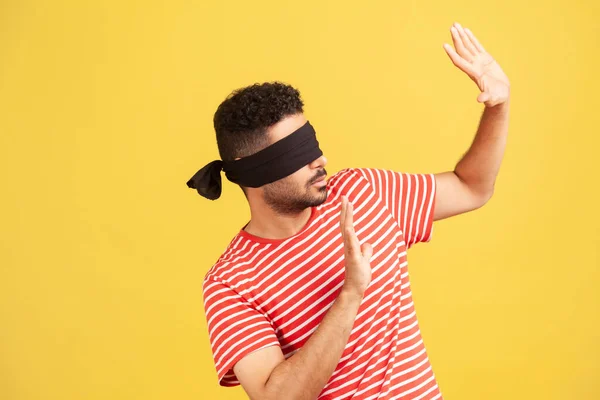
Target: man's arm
x=266 y=375
x=471 y=184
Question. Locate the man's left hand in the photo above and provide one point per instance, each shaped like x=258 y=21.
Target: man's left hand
x=471 y=58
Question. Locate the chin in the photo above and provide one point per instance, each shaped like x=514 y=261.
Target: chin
x=322 y=196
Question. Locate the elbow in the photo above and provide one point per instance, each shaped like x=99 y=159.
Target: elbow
x=484 y=197
x=479 y=196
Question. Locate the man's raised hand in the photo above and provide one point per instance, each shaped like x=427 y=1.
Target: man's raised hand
x=357 y=257
x=471 y=58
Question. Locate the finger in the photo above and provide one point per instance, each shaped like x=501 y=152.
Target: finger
x=351 y=239
x=354 y=238
x=349 y=222
x=349 y=243
x=483 y=97
x=460 y=62
x=474 y=40
x=367 y=251
x=465 y=40
x=459 y=45
x=349 y=215
x=488 y=99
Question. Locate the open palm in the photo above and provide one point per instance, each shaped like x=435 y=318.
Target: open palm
x=471 y=58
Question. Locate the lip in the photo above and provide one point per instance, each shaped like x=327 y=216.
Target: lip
x=320 y=182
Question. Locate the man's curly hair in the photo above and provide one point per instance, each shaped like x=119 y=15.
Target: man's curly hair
x=242 y=119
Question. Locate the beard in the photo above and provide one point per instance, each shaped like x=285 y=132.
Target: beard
x=286 y=197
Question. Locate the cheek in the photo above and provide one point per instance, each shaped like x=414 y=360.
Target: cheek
x=301 y=177
x=283 y=186
x=294 y=183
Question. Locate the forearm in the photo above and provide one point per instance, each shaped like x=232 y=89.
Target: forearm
x=304 y=375
x=480 y=165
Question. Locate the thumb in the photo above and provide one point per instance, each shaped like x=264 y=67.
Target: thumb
x=367 y=250
x=483 y=97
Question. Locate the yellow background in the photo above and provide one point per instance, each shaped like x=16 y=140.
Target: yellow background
x=106 y=110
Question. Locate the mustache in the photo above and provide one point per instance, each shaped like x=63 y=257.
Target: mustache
x=319 y=175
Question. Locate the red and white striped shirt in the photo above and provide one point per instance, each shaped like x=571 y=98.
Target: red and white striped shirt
x=265 y=292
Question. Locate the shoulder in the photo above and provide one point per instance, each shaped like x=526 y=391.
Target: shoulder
x=235 y=266
x=234 y=253
x=348 y=175
x=368 y=175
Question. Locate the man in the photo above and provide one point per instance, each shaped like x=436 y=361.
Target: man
x=312 y=299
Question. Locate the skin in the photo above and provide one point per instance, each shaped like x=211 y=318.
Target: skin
x=265 y=374
x=279 y=211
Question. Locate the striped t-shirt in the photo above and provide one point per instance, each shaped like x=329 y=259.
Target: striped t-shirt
x=264 y=292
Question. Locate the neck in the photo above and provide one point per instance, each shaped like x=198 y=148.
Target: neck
x=268 y=224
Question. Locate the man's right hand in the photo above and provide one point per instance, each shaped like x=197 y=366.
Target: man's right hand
x=357 y=257
x=266 y=374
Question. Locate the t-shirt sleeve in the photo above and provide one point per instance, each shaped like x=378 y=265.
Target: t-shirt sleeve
x=235 y=329
x=410 y=199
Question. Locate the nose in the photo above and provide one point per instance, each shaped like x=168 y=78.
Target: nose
x=320 y=162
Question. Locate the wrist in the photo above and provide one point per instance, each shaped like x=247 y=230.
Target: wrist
x=501 y=107
x=350 y=295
